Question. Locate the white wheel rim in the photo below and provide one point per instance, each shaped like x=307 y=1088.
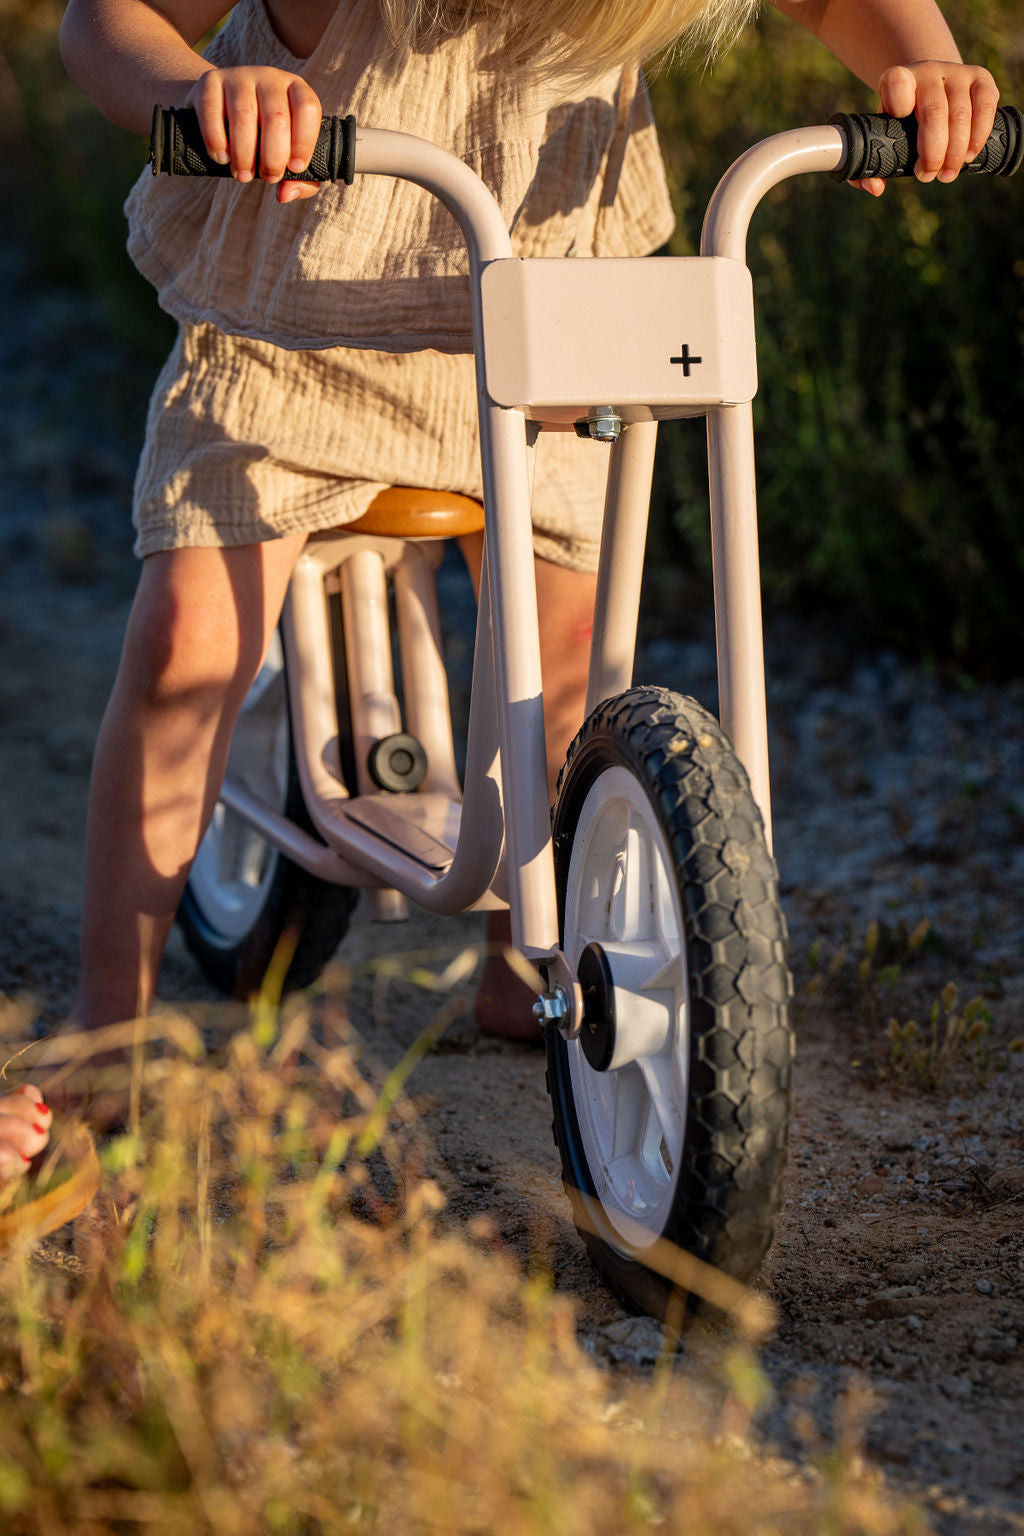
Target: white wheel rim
x=632 y=1120
x=235 y=865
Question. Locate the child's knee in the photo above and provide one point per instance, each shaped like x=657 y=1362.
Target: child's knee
x=189 y=646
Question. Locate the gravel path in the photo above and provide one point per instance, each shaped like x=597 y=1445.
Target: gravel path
x=899 y=1260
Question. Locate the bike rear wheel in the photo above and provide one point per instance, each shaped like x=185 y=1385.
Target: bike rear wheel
x=671 y=1108
x=244 y=901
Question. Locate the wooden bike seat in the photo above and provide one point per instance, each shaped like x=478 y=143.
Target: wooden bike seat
x=402 y=512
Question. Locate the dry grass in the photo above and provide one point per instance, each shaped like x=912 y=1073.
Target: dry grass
x=265 y=1323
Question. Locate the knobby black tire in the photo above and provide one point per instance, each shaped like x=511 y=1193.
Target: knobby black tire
x=727 y=1188
x=298 y=908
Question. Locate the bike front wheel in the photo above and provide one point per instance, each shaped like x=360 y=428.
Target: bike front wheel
x=671 y=1107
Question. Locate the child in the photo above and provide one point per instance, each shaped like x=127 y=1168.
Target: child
x=257 y=436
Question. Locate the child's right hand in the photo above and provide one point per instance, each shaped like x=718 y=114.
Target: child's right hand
x=237 y=105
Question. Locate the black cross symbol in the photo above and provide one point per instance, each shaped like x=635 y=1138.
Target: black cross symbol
x=686 y=360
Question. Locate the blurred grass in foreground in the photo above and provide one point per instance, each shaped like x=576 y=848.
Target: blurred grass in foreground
x=266 y=1324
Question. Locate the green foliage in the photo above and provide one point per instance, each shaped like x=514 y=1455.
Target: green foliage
x=68 y=171
x=953 y=1037
x=891 y=474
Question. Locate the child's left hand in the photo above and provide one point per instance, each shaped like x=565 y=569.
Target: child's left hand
x=955 y=105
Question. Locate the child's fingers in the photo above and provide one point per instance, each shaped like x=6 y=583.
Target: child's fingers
x=290 y=117
x=932 y=110
x=245 y=111
x=296 y=191
x=275 y=130
x=207 y=96
x=955 y=106
x=960 y=115
x=898 y=90
x=307 y=115
x=984 y=100
x=241 y=108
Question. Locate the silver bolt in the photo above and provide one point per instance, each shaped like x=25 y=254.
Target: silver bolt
x=604 y=423
x=552 y=1008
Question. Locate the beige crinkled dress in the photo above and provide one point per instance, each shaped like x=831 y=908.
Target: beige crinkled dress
x=323 y=345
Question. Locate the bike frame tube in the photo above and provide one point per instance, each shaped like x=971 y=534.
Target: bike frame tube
x=734 y=543
x=621 y=562
x=507 y=696
x=508 y=668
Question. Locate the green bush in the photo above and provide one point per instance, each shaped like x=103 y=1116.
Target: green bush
x=69 y=171
x=891 y=475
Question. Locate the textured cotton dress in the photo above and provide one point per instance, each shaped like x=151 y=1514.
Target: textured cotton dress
x=323 y=350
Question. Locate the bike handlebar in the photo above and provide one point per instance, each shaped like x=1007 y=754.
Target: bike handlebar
x=176 y=148
x=875 y=145
x=884 y=146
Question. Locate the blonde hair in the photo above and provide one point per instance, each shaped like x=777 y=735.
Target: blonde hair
x=581 y=39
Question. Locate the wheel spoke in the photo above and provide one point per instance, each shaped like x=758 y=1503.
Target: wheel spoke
x=632 y=913
x=624 y=897
x=667 y=1119
x=630 y=1107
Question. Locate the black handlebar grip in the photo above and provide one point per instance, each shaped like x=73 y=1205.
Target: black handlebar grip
x=879 y=145
x=176 y=148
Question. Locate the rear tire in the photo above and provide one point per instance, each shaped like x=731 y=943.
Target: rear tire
x=671 y=1108
x=243 y=896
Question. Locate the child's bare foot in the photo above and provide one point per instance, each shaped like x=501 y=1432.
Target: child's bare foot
x=504 y=1000
x=89 y=1076
x=24 y=1130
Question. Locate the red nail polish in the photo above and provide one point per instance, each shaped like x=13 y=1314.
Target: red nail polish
x=44 y=1109
x=24 y=1158
x=40 y=1129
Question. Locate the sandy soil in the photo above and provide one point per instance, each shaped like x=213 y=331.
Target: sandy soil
x=899 y=1258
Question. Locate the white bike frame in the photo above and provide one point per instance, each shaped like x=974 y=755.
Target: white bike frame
x=540 y=358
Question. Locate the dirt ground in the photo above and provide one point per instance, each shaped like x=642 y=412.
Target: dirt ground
x=899 y=1257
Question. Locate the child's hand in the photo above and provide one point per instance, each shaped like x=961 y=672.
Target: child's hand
x=24 y=1130
x=236 y=105
x=955 y=106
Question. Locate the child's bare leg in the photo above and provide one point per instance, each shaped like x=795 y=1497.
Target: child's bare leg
x=199 y=626
x=565 y=600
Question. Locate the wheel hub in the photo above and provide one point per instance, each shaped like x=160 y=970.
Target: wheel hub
x=625 y=1017
x=597 y=1034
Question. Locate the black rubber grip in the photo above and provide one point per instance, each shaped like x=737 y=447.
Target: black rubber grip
x=176 y=148
x=879 y=145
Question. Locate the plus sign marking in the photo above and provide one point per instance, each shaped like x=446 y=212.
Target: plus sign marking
x=687 y=361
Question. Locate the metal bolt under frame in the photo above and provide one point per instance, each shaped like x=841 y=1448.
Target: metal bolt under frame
x=604 y=423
